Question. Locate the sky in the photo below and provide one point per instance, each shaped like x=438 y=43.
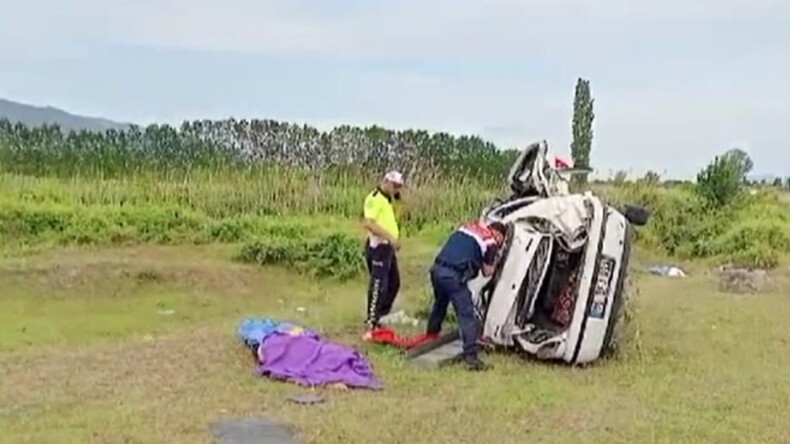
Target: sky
x=675 y=82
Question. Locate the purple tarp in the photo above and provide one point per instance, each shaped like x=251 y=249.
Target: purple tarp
x=305 y=358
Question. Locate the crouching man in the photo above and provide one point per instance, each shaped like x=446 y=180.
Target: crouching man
x=472 y=248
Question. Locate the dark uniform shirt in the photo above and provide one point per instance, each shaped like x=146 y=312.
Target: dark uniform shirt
x=468 y=248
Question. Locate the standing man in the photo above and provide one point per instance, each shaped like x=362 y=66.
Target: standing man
x=471 y=248
x=380 y=249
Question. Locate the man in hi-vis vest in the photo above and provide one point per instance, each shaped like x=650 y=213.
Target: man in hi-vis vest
x=380 y=250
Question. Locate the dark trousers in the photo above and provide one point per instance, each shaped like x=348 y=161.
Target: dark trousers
x=384 y=281
x=449 y=287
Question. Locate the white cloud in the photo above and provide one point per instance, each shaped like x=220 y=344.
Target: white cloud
x=393 y=28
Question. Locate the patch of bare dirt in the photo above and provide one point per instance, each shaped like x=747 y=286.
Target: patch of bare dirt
x=743 y=280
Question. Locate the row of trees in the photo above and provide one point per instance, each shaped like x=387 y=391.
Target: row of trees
x=217 y=144
x=239 y=143
x=777 y=182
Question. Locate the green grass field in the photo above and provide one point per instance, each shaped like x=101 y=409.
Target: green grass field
x=120 y=298
x=89 y=354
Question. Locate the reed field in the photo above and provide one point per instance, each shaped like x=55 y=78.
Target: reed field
x=103 y=233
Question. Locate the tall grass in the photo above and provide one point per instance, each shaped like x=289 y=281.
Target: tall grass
x=226 y=183
x=270 y=192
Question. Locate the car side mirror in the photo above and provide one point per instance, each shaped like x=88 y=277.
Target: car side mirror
x=636 y=215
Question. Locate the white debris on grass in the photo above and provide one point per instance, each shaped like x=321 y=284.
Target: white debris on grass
x=666 y=270
x=399 y=318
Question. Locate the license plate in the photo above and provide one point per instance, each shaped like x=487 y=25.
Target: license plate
x=603 y=282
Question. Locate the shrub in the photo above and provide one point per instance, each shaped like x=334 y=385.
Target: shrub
x=679 y=223
x=337 y=255
x=751 y=230
x=620 y=177
x=651 y=178
x=756 y=243
x=37 y=223
x=756 y=256
x=273 y=252
x=723 y=179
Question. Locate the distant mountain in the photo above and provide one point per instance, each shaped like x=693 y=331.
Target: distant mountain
x=36 y=116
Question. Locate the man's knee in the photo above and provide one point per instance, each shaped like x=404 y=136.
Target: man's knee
x=463 y=299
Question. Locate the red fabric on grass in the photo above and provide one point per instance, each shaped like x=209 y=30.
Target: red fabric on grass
x=385 y=335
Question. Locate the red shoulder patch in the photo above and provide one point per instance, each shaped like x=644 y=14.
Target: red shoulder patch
x=486 y=234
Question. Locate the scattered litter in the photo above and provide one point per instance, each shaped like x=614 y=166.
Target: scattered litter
x=339 y=386
x=252 y=431
x=666 y=270
x=166 y=312
x=399 y=317
x=301 y=309
x=306 y=398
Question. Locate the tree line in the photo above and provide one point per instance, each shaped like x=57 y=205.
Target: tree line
x=230 y=143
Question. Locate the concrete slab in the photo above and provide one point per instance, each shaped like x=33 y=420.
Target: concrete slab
x=428 y=346
x=442 y=355
x=252 y=431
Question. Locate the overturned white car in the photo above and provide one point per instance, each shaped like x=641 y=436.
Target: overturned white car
x=558 y=290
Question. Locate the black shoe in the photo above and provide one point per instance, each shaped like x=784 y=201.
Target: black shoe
x=473 y=363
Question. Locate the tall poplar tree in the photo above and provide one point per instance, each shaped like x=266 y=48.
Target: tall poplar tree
x=583 y=117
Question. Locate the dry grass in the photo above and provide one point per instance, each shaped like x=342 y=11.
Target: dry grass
x=86 y=357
